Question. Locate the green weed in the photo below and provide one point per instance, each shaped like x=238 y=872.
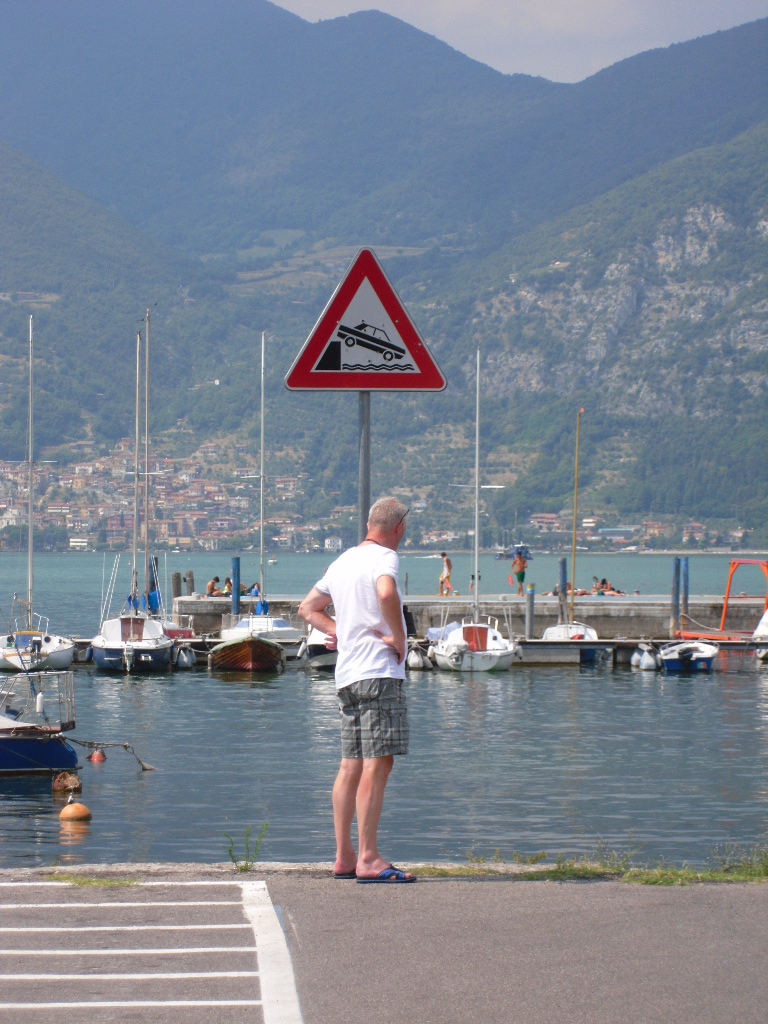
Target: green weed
x=251 y=851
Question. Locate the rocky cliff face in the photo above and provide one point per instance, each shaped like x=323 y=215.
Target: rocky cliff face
x=665 y=324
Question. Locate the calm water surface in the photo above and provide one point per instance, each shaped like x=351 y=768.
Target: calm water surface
x=550 y=759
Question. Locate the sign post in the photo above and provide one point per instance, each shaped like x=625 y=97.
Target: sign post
x=364 y=341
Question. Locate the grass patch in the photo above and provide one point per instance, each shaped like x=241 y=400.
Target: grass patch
x=251 y=849
x=730 y=863
x=90 y=880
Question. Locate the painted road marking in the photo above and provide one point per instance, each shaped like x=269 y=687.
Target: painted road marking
x=274 y=974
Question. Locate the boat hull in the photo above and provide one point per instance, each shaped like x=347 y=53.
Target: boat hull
x=474 y=661
x=248 y=654
x=55 y=653
x=686 y=658
x=475 y=647
x=35 y=752
x=136 y=660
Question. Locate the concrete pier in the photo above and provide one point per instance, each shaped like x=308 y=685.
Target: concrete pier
x=612 y=617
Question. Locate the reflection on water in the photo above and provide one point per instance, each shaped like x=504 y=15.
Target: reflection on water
x=535 y=759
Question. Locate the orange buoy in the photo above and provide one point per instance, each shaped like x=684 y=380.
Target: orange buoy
x=75 y=812
x=97 y=755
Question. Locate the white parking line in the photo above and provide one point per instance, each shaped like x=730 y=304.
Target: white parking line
x=279 y=998
x=278 y=986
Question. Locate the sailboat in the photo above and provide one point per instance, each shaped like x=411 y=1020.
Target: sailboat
x=30 y=646
x=134 y=641
x=476 y=646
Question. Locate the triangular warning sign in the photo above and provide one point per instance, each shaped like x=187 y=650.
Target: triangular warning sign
x=365 y=340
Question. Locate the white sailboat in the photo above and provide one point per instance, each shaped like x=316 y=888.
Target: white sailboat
x=135 y=641
x=29 y=645
x=476 y=646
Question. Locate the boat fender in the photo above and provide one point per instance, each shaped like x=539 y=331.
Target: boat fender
x=414 y=659
x=431 y=653
x=302 y=649
x=39 y=704
x=88 y=654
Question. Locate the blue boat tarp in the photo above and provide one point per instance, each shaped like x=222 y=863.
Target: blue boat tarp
x=441 y=632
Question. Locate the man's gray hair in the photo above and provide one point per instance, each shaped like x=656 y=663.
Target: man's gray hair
x=386 y=513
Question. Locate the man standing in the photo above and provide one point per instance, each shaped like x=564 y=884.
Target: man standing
x=369 y=629
x=445 y=575
x=519 y=566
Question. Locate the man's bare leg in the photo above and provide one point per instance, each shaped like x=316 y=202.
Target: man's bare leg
x=370 y=800
x=344 y=800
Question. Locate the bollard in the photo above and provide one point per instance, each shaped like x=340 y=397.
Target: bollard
x=236 y=585
x=175 y=585
x=189 y=582
x=684 y=589
x=674 y=618
x=562 y=590
x=530 y=591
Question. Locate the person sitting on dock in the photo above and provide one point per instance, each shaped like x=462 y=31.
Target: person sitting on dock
x=254 y=591
x=212 y=589
x=227 y=587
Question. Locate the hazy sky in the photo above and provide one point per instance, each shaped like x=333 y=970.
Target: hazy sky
x=563 y=40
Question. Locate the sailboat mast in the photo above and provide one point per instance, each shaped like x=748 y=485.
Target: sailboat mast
x=261 y=479
x=477 y=492
x=575 y=509
x=146 y=461
x=134 y=569
x=31 y=487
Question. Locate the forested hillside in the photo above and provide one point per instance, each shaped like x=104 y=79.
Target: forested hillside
x=604 y=243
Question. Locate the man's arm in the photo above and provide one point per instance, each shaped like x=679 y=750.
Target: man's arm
x=391 y=609
x=313 y=610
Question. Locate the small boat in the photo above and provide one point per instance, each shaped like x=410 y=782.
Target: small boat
x=248 y=653
x=574 y=631
x=30 y=739
x=32 y=647
x=688 y=656
x=318 y=655
x=476 y=647
x=270 y=627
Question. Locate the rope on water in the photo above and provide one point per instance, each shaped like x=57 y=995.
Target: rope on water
x=95 y=745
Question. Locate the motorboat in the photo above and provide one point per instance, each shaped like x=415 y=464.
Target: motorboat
x=318 y=655
x=270 y=627
x=248 y=652
x=475 y=646
x=688 y=656
x=563 y=631
x=36 y=709
x=29 y=645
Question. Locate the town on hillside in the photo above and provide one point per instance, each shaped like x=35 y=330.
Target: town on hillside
x=194 y=504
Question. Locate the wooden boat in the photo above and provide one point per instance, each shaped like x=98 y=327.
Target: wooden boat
x=270 y=627
x=249 y=653
x=31 y=738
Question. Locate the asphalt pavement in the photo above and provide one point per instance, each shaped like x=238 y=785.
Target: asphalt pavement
x=286 y=945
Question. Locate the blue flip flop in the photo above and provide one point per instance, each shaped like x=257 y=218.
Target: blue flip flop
x=389 y=876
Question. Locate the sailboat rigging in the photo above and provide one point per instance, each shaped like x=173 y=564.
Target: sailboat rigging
x=29 y=646
x=476 y=646
x=135 y=641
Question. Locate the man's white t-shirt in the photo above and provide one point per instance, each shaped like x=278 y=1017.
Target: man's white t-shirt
x=350 y=582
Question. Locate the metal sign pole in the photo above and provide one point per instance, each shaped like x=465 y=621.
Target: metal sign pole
x=364 y=465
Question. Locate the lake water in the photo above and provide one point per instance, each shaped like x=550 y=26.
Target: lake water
x=536 y=759
x=69 y=586
x=554 y=759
